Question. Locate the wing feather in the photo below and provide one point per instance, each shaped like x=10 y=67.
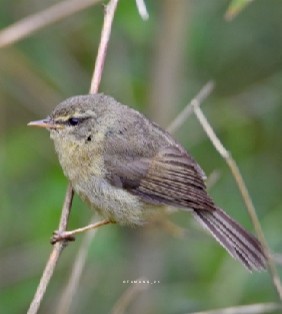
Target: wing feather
x=170 y=177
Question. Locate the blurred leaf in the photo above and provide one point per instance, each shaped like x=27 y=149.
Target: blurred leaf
x=235 y=7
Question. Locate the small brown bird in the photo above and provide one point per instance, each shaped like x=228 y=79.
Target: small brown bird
x=126 y=167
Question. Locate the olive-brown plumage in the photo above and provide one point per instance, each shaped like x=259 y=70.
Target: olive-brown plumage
x=127 y=167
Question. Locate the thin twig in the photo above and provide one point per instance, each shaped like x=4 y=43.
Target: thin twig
x=103 y=47
x=37 y=21
x=95 y=82
x=129 y=295
x=186 y=112
x=54 y=256
x=69 y=235
x=260 y=308
x=141 y=7
x=244 y=192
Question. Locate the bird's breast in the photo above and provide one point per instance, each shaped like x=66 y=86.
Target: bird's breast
x=79 y=162
x=112 y=203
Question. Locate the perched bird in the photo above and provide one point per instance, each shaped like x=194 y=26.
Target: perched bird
x=127 y=167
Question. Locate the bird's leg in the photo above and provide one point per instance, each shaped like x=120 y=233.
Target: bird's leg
x=69 y=235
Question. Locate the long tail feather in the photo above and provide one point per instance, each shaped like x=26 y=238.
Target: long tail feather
x=240 y=244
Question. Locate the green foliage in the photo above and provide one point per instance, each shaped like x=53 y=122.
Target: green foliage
x=235 y=7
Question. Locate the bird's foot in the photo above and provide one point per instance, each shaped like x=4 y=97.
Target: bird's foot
x=59 y=236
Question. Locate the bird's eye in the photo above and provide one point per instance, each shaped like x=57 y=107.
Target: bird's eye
x=73 y=121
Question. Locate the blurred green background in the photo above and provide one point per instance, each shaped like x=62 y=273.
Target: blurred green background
x=155 y=66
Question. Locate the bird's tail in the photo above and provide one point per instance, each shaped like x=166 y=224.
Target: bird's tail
x=240 y=244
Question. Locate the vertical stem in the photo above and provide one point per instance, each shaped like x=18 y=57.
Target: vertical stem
x=54 y=256
x=103 y=47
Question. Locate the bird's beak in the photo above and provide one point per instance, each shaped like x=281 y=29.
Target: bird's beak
x=45 y=123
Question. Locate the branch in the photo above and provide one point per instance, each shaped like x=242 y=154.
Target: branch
x=54 y=256
x=79 y=263
x=58 y=247
x=244 y=192
x=37 y=21
x=103 y=47
x=260 y=308
x=186 y=112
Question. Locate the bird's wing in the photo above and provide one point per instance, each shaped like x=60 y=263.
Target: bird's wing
x=169 y=177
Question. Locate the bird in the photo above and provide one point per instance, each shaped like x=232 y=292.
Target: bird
x=126 y=168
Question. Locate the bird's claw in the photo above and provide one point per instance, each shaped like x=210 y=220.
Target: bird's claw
x=59 y=236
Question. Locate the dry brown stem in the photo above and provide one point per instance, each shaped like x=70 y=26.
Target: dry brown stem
x=69 y=235
x=39 y=20
x=260 y=308
x=95 y=82
x=58 y=247
x=103 y=47
x=244 y=192
x=187 y=111
x=54 y=256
